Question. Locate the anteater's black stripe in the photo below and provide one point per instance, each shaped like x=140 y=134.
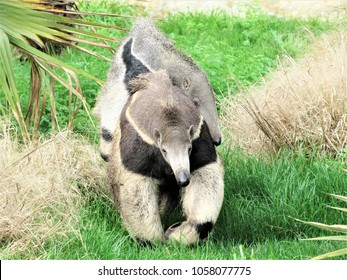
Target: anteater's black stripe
x=204 y=229
x=106 y=135
x=134 y=66
x=144 y=242
x=104 y=157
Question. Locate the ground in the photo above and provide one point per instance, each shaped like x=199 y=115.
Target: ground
x=331 y=8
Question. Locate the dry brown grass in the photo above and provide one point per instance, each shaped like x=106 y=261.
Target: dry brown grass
x=41 y=188
x=303 y=103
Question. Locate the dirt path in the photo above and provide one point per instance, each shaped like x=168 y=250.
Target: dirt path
x=288 y=8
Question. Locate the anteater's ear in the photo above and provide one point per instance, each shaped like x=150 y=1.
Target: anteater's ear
x=157 y=136
x=191 y=132
x=186 y=83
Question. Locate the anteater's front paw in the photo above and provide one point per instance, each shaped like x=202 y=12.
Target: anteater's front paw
x=185 y=233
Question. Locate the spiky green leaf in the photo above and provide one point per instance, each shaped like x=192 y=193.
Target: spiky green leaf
x=338 y=208
x=7 y=81
x=339 y=197
x=332 y=238
x=52 y=60
x=336 y=253
x=336 y=228
x=31 y=38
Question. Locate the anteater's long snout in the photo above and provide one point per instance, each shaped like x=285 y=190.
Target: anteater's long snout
x=217 y=141
x=183 y=178
x=177 y=156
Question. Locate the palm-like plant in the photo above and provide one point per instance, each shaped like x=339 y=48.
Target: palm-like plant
x=32 y=26
x=335 y=228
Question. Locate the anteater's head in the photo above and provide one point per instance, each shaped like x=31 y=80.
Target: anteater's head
x=175 y=144
x=165 y=117
x=198 y=89
x=196 y=86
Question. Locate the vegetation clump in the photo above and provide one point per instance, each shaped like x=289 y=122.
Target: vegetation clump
x=301 y=105
x=42 y=187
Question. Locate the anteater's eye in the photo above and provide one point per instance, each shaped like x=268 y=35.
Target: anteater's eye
x=196 y=102
x=164 y=151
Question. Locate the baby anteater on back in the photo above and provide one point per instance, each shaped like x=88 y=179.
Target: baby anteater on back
x=161 y=144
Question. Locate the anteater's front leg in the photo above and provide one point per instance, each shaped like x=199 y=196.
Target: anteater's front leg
x=202 y=201
x=137 y=201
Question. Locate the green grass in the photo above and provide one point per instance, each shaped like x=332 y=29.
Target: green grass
x=227 y=48
x=254 y=223
x=247 y=47
x=260 y=193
